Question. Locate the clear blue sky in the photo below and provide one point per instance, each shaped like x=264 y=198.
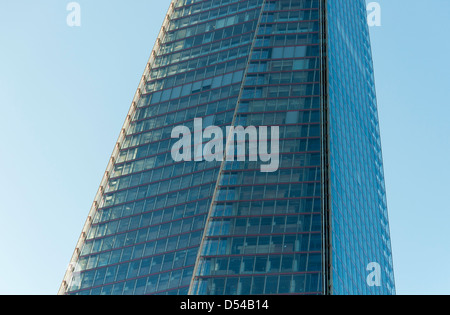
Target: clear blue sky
x=64 y=94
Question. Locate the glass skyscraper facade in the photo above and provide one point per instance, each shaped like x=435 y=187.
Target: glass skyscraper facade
x=158 y=226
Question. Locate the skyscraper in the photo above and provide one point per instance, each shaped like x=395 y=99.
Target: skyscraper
x=317 y=224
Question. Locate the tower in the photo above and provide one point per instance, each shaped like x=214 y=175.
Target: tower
x=316 y=224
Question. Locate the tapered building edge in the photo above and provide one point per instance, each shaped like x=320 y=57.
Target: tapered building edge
x=72 y=265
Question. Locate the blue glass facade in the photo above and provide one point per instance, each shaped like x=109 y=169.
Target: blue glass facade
x=359 y=223
x=159 y=226
x=264 y=232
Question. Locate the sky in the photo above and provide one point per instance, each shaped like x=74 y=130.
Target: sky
x=65 y=92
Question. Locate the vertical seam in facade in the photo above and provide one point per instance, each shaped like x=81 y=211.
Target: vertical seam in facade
x=325 y=159
x=208 y=219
